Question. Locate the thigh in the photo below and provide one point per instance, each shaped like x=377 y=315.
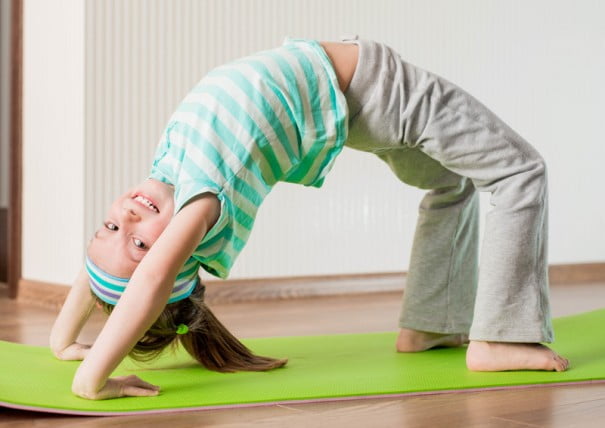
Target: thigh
x=378 y=99
x=455 y=129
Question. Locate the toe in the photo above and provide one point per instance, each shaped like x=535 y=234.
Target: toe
x=565 y=362
x=560 y=363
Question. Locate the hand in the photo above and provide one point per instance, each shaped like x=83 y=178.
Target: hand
x=75 y=351
x=124 y=386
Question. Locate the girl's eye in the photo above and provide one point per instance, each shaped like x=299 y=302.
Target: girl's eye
x=111 y=226
x=139 y=244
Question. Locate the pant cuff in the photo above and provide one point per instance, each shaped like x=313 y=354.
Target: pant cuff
x=432 y=327
x=536 y=335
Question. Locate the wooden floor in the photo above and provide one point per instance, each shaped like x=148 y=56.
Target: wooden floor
x=580 y=406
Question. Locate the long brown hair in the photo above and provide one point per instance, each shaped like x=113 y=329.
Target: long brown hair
x=207 y=339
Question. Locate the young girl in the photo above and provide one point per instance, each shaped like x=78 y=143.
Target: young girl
x=284 y=115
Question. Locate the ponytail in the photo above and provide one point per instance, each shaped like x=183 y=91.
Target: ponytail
x=210 y=343
x=206 y=339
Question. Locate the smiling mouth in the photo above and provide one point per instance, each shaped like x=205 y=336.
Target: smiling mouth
x=144 y=201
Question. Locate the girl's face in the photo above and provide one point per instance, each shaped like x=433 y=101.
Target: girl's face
x=134 y=222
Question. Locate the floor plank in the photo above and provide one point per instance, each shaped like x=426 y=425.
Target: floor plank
x=581 y=406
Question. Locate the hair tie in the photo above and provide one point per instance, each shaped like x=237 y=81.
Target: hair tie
x=182 y=329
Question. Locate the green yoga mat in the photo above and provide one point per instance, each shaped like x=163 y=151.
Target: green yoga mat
x=320 y=368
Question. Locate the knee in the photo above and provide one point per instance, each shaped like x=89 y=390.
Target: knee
x=525 y=187
x=539 y=166
x=538 y=179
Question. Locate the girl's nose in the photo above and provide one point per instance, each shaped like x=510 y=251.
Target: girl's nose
x=130 y=214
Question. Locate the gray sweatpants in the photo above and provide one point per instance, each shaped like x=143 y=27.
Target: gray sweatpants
x=435 y=136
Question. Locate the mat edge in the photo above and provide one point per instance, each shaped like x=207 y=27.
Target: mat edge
x=286 y=402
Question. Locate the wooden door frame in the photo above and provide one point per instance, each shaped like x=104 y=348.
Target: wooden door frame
x=15 y=149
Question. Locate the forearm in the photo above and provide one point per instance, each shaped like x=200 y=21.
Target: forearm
x=129 y=321
x=73 y=315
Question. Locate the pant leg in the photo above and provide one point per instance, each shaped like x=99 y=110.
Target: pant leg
x=399 y=111
x=460 y=133
x=442 y=276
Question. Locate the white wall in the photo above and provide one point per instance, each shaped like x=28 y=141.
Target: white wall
x=5 y=28
x=53 y=139
x=536 y=64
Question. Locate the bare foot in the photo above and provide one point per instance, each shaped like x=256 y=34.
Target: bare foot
x=500 y=356
x=415 y=341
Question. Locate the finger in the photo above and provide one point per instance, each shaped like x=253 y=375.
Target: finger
x=135 y=391
x=142 y=384
x=71 y=354
x=66 y=355
x=133 y=380
x=82 y=351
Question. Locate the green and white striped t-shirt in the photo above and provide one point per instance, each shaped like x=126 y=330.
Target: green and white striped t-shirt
x=277 y=115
